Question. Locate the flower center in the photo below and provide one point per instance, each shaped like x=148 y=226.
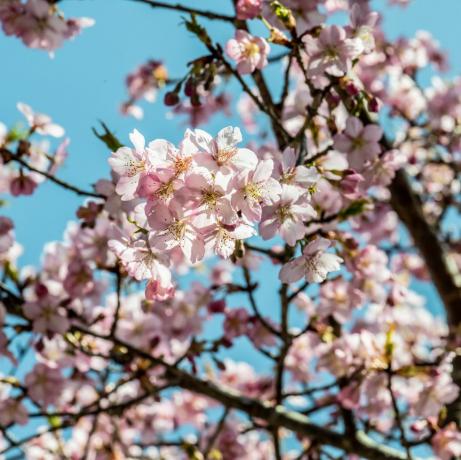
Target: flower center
x=284 y=213
x=182 y=164
x=209 y=198
x=224 y=155
x=135 y=167
x=253 y=191
x=310 y=263
x=251 y=49
x=166 y=190
x=288 y=177
x=177 y=229
x=331 y=52
x=358 y=142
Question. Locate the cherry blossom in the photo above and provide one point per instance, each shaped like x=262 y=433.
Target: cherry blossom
x=130 y=164
x=172 y=227
x=314 y=264
x=38 y=25
x=249 y=9
x=287 y=217
x=359 y=143
x=248 y=51
x=220 y=153
x=332 y=52
x=143 y=83
x=253 y=188
x=44 y=384
x=447 y=442
x=40 y=122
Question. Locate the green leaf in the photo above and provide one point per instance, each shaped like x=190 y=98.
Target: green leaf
x=16 y=133
x=11 y=272
x=108 y=137
x=55 y=421
x=284 y=14
x=354 y=209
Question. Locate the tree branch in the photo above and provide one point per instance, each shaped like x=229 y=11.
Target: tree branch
x=277 y=416
x=185 y=9
x=409 y=209
x=57 y=181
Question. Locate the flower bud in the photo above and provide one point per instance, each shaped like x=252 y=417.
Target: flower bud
x=171 y=98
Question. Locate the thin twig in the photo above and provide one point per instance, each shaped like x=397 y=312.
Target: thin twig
x=398 y=417
x=253 y=304
x=185 y=9
x=217 y=431
x=57 y=181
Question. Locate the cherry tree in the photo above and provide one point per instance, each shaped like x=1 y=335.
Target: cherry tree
x=296 y=237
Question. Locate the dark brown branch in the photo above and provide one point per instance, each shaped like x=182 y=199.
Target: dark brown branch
x=185 y=9
x=409 y=209
x=278 y=416
x=57 y=181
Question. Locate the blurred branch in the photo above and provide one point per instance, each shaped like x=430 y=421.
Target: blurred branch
x=185 y=9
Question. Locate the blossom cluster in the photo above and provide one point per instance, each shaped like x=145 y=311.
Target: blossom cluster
x=205 y=197
x=21 y=173
x=39 y=24
x=143 y=83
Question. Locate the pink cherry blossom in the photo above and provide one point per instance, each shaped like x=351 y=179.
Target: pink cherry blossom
x=12 y=411
x=287 y=217
x=249 y=9
x=79 y=278
x=236 y=323
x=360 y=143
x=44 y=384
x=22 y=185
x=255 y=188
x=6 y=234
x=144 y=82
x=130 y=164
x=287 y=171
x=139 y=260
x=435 y=394
x=223 y=237
x=47 y=316
x=220 y=153
x=39 y=122
x=173 y=227
x=314 y=264
x=332 y=52
x=139 y=329
x=363 y=22
x=248 y=51
x=119 y=342
x=38 y=25
x=447 y=442
x=210 y=193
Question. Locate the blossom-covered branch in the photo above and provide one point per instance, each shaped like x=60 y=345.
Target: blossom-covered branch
x=280 y=242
